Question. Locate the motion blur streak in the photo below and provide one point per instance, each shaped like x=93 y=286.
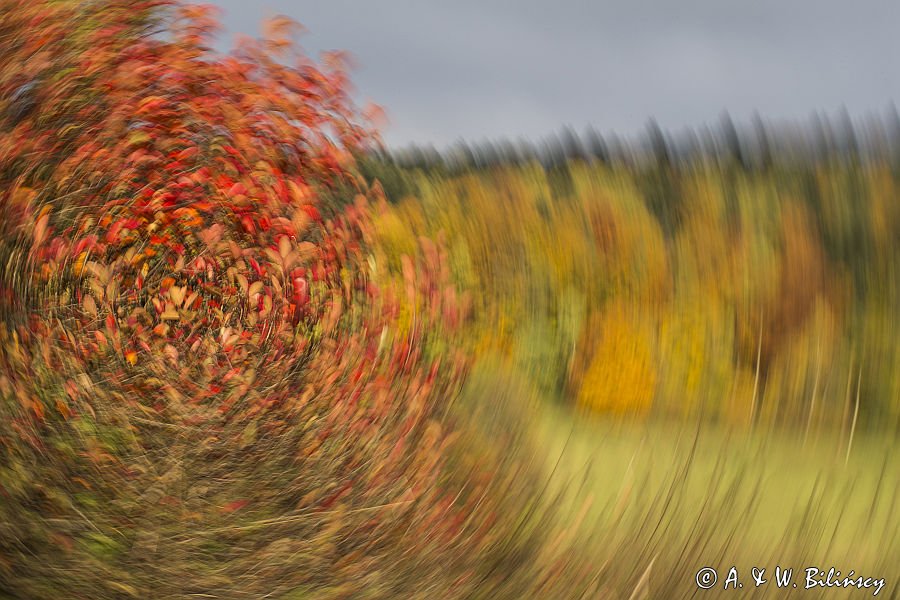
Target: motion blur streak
x=247 y=352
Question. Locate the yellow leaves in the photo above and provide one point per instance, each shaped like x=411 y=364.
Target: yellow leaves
x=191 y=300
x=631 y=250
x=242 y=282
x=78 y=266
x=189 y=217
x=621 y=378
x=176 y=293
x=704 y=253
x=139 y=138
x=257 y=287
x=696 y=347
x=171 y=308
x=112 y=289
x=248 y=436
x=284 y=246
x=884 y=212
x=802 y=366
x=393 y=235
x=125 y=588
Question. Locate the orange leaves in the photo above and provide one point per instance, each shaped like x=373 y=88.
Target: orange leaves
x=279 y=33
x=187 y=153
x=38 y=408
x=375 y=115
x=284 y=246
x=196 y=24
x=151 y=104
x=234 y=505
x=203 y=274
x=301 y=194
x=41 y=228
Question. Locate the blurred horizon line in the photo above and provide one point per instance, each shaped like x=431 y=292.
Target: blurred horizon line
x=754 y=144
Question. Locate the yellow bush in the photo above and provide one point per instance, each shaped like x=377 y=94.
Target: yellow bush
x=621 y=378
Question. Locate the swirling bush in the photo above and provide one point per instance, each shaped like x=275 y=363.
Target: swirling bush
x=207 y=386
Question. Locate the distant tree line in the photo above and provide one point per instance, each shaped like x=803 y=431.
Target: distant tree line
x=757 y=145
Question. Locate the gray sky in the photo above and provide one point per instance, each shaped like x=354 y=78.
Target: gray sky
x=477 y=69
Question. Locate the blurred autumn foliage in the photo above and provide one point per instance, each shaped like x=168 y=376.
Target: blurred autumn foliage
x=208 y=385
x=748 y=308
x=246 y=353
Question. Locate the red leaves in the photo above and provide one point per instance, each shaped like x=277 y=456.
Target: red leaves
x=193 y=251
x=235 y=506
x=312 y=212
x=112 y=233
x=248 y=224
x=257 y=268
x=301 y=291
x=237 y=189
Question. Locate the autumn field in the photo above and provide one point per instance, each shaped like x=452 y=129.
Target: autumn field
x=666 y=452
x=246 y=351
x=680 y=500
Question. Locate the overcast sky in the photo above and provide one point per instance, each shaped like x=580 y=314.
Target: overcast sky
x=486 y=69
